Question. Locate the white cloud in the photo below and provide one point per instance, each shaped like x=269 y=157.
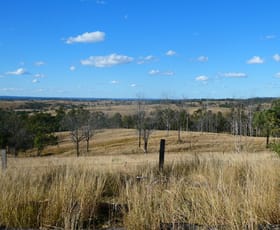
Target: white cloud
x=202 y=59
x=39 y=63
x=101 y=2
x=255 y=60
x=202 y=78
x=276 y=57
x=146 y=59
x=35 y=81
x=234 y=75
x=10 y=89
x=18 y=72
x=133 y=85
x=277 y=75
x=270 y=37
x=106 y=61
x=72 y=68
x=39 y=75
x=157 y=72
x=154 y=72
x=170 y=53
x=114 y=82
x=87 y=37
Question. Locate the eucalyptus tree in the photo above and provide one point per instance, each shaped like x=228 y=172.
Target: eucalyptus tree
x=264 y=121
x=42 y=127
x=267 y=122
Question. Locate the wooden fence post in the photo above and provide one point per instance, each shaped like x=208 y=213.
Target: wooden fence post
x=4 y=159
x=161 y=154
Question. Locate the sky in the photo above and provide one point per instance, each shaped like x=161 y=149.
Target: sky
x=179 y=49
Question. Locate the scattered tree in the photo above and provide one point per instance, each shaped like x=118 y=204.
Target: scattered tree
x=76 y=120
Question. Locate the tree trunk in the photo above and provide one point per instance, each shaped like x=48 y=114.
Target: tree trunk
x=179 y=135
x=267 y=139
x=139 y=138
x=146 y=146
x=87 y=145
x=78 y=148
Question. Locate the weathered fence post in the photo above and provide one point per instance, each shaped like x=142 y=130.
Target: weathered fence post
x=4 y=159
x=161 y=154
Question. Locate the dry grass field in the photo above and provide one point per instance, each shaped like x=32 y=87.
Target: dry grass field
x=205 y=182
x=109 y=107
x=125 y=141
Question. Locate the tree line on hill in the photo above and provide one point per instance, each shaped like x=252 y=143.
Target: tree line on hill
x=21 y=131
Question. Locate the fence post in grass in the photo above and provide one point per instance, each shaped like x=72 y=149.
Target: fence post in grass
x=4 y=159
x=161 y=154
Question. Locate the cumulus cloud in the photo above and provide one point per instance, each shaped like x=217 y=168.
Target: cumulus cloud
x=72 y=68
x=234 y=75
x=133 y=85
x=39 y=63
x=157 y=72
x=87 y=37
x=202 y=78
x=255 y=60
x=277 y=75
x=170 y=53
x=202 y=59
x=114 y=82
x=106 y=61
x=18 y=72
x=276 y=57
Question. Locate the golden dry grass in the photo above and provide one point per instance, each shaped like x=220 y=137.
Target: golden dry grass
x=205 y=181
x=209 y=189
x=125 y=141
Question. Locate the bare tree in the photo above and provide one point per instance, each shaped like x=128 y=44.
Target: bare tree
x=237 y=126
x=140 y=119
x=180 y=116
x=148 y=126
x=76 y=122
x=88 y=128
x=167 y=116
x=92 y=122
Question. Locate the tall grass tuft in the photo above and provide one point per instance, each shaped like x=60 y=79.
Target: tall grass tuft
x=230 y=191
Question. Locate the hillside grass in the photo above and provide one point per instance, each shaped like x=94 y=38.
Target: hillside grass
x=205 y=181
x=125 y=142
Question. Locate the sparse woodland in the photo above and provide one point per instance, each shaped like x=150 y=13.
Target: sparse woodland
x=221 y=169
x=39 y=127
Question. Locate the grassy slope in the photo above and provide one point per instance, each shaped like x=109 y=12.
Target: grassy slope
x=205 y=181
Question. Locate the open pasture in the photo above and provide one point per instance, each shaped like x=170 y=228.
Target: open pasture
x=205 y=182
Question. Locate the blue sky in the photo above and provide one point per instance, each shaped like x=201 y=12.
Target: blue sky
x=126 y=48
